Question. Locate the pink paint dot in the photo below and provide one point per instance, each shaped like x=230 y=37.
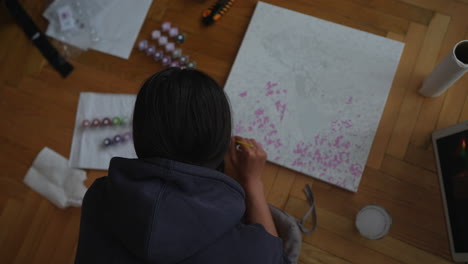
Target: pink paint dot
x=272 y=132
x=271 y=85
x=281 y=108
x=259 y=112
x=355 y=170
x=243 y=94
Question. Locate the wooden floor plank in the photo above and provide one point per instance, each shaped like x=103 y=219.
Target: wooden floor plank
x=411 y=174
x=388 y=246
x=269 y=176
x=400 y=9
x=414 y=40
x=158 y=9
x=231 y=27
x=51 y=238
x=451 y=8
x=409 y=204
x=365 y=15
x=13 y=188
x=464 y=112
x=281 y=188
x=427 y=121
x=348 y=14
x=33 y=237
x=411 y=106
x=71 y=258
x=454 y=109
x=16 y=235
x=8 y=217
x=431 y=109
x=453 y=105
x=313 y=255
x=9 y=30
x=18 y=52
x=300 y=182
x=67 y=243
x=395 y=36
x=334 y=243
x=420 y=157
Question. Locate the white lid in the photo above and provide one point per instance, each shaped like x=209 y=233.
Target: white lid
x=373 y=222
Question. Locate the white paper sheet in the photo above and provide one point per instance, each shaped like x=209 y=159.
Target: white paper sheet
x=311 y=92
x=117 y=26
x=87 y=147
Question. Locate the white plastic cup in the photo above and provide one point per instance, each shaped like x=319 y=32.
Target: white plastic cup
x=373 y=222
x=447 y=72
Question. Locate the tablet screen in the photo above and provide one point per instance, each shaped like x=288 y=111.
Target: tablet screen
x=453 y=158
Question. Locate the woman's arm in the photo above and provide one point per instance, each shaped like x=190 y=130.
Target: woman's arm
x=257 y=208
x=249 y=162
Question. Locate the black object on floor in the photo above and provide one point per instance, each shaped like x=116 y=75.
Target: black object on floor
x=38 y=38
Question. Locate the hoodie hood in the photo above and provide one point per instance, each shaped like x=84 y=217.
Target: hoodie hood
x=165 y=211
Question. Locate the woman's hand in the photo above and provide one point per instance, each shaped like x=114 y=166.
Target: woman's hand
x=248 y=161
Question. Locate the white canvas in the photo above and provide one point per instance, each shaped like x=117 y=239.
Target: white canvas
x=311 y=92
x=87 y=150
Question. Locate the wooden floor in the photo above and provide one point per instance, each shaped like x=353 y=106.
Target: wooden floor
x=37 y=109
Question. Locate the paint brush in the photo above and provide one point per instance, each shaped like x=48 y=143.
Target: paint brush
x=245 y=144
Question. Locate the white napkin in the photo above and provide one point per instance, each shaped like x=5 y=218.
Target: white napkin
x=51 y=177
x=87 y=151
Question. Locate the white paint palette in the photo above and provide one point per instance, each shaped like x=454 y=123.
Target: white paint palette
x=311 y=92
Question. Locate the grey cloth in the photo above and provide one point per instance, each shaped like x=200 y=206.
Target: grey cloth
x=289 y=228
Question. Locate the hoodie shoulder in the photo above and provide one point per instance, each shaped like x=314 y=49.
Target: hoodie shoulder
x=243 y=244
x=165 y=212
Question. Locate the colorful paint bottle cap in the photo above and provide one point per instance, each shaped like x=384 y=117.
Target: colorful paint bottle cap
x=155 y=34
x=373 y=222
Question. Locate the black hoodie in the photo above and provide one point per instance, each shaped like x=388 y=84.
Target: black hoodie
x=165 y=212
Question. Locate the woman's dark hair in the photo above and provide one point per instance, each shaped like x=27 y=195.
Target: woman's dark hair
x=182 y=115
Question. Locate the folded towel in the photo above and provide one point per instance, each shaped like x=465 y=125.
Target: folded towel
x=51 y=177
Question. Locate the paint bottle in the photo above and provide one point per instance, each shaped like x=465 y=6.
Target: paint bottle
x=373 y=222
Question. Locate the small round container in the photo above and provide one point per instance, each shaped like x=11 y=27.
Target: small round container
x=373 y=222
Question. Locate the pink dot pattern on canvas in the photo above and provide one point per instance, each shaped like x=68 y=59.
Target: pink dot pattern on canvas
x=327 y=155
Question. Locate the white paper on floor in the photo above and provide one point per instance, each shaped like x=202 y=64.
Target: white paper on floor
x=116 y=27
x=87 y=149
x=311 y=92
